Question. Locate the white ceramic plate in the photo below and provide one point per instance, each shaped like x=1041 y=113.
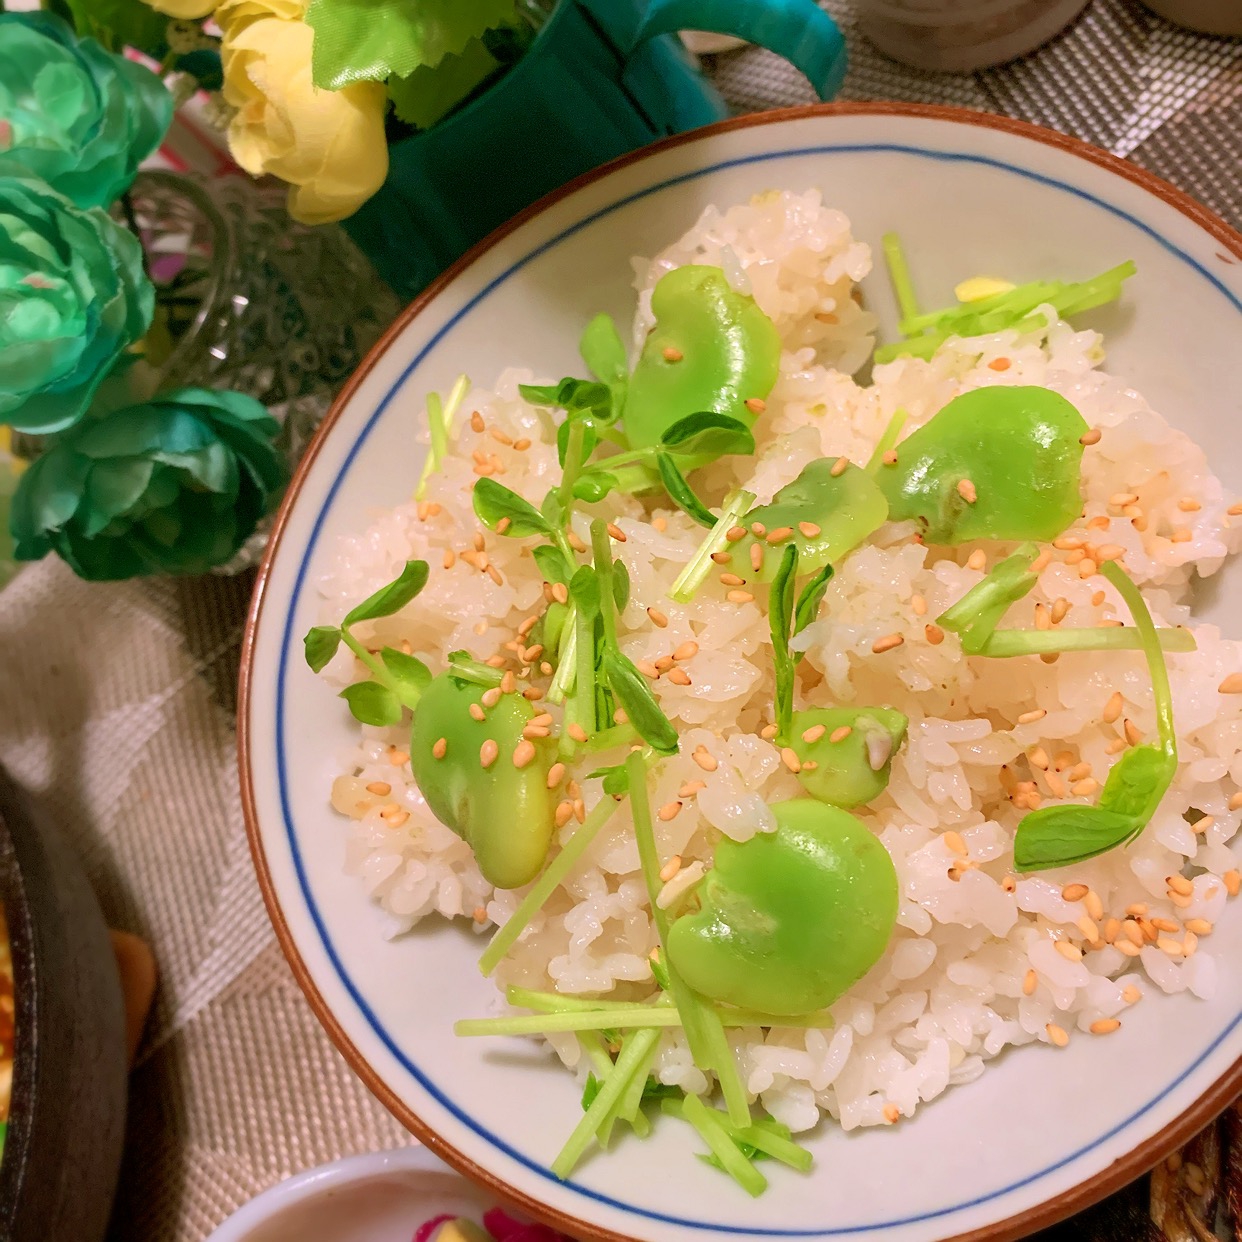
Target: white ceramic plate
x=1044 y=1131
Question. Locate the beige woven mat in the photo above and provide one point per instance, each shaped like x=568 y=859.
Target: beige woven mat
x=118 y=700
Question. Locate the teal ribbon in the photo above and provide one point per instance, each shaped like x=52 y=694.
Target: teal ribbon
x=798 y=30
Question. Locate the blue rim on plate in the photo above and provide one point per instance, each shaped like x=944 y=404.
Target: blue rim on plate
x=1089 y=1191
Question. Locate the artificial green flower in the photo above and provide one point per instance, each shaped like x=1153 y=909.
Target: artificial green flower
x=174 y=485
x=81 y=118
x=73 y=297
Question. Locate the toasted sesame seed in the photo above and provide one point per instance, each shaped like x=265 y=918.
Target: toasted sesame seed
x=615 y=532
x=668 y=811
x=679 y=677
x=1084 y=788
x=813 y=734
x=503 y=525
x=840 y=733
x=739 y=597
x=756 y=405
x=1200 y=927
x=1009 y=884
x=477 y=423
x=789 y=757
x=1116 y=746
x=1111 y=928
x=450 y=558
x=1088 y=926
x=889 y=457
x=1181 y=535
x=1235 y=510
x=722 y=558
x=1232 y=880
x=887 y=643
x=1203 y=823
x=440 y=748
x=664 y=663
x=1167 y=945
x=978 y=559
x=1074 y=892
x=577 y=732
x=660 y=523
x=732 y=580
x=393 y=816
x=892 y=1113
x=919 y=604
x=556 y=773
x=1039 y=758
x=523 y=753
x=580 y=810
x=673 y=866
x=1100 y=522
x=1165 y=925
x=397 y=757
x=756 y=556
x=1179 y=884
x=1094 y=905
x=488 y=752
x=564 y=813
x=779 y=535
x=1235 y=802
x=758 y=530
x=687 y=651
x=966 y=490
x=734 y=533
x=934 y=634
x=1131 y=995
x=508 y=683
x=1067 y=543
x=542 y=720
x=1090 y=437
x=1127 y=948
x=953 y=841
x=575 y=541
x=1118 y=500
x=1030 y=981
x=535 y=732
x=1231 y=684
x=560 y=593
x=1131 y=730
x=1042 y=620
x=1087 y=567
x=546 y=669
x=705 y=759
x=493 y=661
x=381 y=789
x=657 y=617
x=1056 y=1035
x=476 y=711
x=809 y=529
x=690 y=788
x=647 y=669
x=1070 y=951
x=620 y=716
x=494 y=574
x=999 y=364
x=1104 y=1026
x=672 y=354
x=1041 y=562
x=1036 y=713
x=839 y=467
x=1056 y=786
x=1109 y=552
x=521 y=444
x=768 y=732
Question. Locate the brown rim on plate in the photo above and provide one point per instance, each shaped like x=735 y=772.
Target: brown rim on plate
x=1213 y=1101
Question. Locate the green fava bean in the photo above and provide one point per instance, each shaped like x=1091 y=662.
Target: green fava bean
x=712 y=348
x=855 y=768
x=845 y=507
x=995 y=463
x=503 y=812
x=789 y=920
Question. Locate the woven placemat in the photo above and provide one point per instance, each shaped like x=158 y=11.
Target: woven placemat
x=119 y=700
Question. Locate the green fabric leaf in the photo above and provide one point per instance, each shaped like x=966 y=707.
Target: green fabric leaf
x=373 y=40
x=168 y=486
x=429 y=94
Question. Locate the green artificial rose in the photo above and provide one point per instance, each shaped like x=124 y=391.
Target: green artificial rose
x=81 y=118
x=174 y=485
x=73 y=297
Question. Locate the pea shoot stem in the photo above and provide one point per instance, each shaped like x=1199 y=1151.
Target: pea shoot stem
x=372 y=662
x=631 y=1017
x=548 y=882
x=603 y=567
x=704 y=1031
x=899 y=274
x=633 y=1056
x=700 y=564
x=1007 y=643
x=887 y=441
x=566 y=659
x=573 y=466
x=1151 y=642
x=439 y=419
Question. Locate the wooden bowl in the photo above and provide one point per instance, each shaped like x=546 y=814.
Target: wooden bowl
x=67 y=1116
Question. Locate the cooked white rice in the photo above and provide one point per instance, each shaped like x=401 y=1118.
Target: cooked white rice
x=973 y=965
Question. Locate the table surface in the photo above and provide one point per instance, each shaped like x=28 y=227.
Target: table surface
x=127 y=740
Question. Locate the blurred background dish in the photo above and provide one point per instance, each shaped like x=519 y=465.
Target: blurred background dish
x=1219 y=17
x=67 y=1115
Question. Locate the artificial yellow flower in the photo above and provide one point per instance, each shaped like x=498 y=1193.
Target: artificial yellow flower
x=328 y=145
x=233 y=16
x=184 y=10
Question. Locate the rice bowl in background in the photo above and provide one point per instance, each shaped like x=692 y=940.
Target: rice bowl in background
x=980 y=944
